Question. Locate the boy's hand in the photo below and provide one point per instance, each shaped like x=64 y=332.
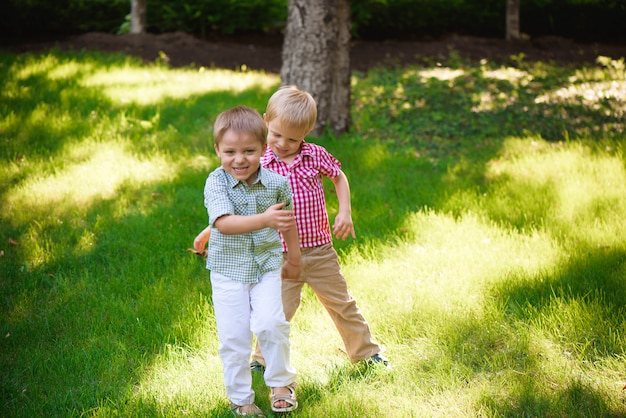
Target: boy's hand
x=280 y=219
x=199 y=243
x=290 y=271
x=343 y=226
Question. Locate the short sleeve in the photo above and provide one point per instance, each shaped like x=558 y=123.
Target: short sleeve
x=216 y=198
x=325 y=162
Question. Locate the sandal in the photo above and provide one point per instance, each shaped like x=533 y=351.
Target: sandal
x=250 y=410
x=289 y=399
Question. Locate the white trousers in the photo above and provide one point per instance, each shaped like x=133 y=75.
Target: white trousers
x=243 y=309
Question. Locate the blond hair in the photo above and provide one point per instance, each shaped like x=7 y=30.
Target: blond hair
x=293 y=107
x=241 y=119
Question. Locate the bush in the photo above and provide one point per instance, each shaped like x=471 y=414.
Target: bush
x=35 y=18
x=586 y=20
x=220 y=17
x=407 y=19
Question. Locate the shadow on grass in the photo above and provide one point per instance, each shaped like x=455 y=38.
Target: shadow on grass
x=532 y=328
x=577 y=400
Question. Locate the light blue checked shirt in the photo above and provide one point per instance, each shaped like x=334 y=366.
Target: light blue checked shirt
x=244 y=257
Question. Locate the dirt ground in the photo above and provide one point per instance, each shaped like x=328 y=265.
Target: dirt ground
x=264 y=53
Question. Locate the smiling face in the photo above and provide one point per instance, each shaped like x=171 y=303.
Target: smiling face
x=240 y=153
x=284 y=140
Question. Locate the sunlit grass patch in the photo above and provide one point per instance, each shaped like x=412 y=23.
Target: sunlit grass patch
x=50 y=66
x=87 y=173
x=146 y=86
x=572 y=190
x=179 y=378
x=448 y=266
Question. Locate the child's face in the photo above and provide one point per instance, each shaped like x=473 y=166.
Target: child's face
x=241 y=154
x=285 y=141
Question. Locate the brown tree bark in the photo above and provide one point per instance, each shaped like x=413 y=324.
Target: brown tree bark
x=512 y=20
x=316 y=58
x=138 y=9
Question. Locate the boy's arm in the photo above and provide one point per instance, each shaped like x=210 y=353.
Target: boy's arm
x=343 y=226
x=274 y=217
x=292 y=266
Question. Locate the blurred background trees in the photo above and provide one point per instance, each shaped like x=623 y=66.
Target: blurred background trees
x=581 y=20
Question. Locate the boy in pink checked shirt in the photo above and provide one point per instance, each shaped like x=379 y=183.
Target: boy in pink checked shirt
x=290 y=116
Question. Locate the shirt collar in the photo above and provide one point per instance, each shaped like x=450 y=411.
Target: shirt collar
x=306 y=150
x=233 y=182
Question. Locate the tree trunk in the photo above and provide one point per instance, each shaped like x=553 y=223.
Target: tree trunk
x=138 y=16
x=512 y=20
x=316 y=58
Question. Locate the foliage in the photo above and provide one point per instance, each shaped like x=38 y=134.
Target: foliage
x=588 y=20
x=223 y=17
x=488 y=200
x=33 y=18
x=403 y=19
x=584 y=20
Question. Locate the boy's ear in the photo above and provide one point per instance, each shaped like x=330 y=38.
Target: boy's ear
x=217 y=149
x=265 y=117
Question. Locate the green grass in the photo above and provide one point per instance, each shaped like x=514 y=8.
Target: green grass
x=490 y=207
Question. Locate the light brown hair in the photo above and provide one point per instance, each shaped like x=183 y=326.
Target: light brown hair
x=242 y=119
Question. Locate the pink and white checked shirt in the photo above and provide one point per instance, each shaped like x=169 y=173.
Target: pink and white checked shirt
x=305 y=176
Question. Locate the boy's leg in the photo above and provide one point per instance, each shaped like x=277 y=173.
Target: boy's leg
x=291 y=295
x=257 y=357
x=231 y=303
x=271 y=328
x=322 y=272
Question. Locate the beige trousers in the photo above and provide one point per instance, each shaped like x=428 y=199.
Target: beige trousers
x=321 y=271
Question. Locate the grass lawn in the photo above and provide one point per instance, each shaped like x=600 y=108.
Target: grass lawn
x=490 y=261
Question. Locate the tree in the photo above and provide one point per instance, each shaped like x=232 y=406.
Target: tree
x=512 y=20
x=316 y=58
x=138 y=10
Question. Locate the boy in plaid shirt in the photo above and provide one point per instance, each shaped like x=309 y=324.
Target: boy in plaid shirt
x=247 y=206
